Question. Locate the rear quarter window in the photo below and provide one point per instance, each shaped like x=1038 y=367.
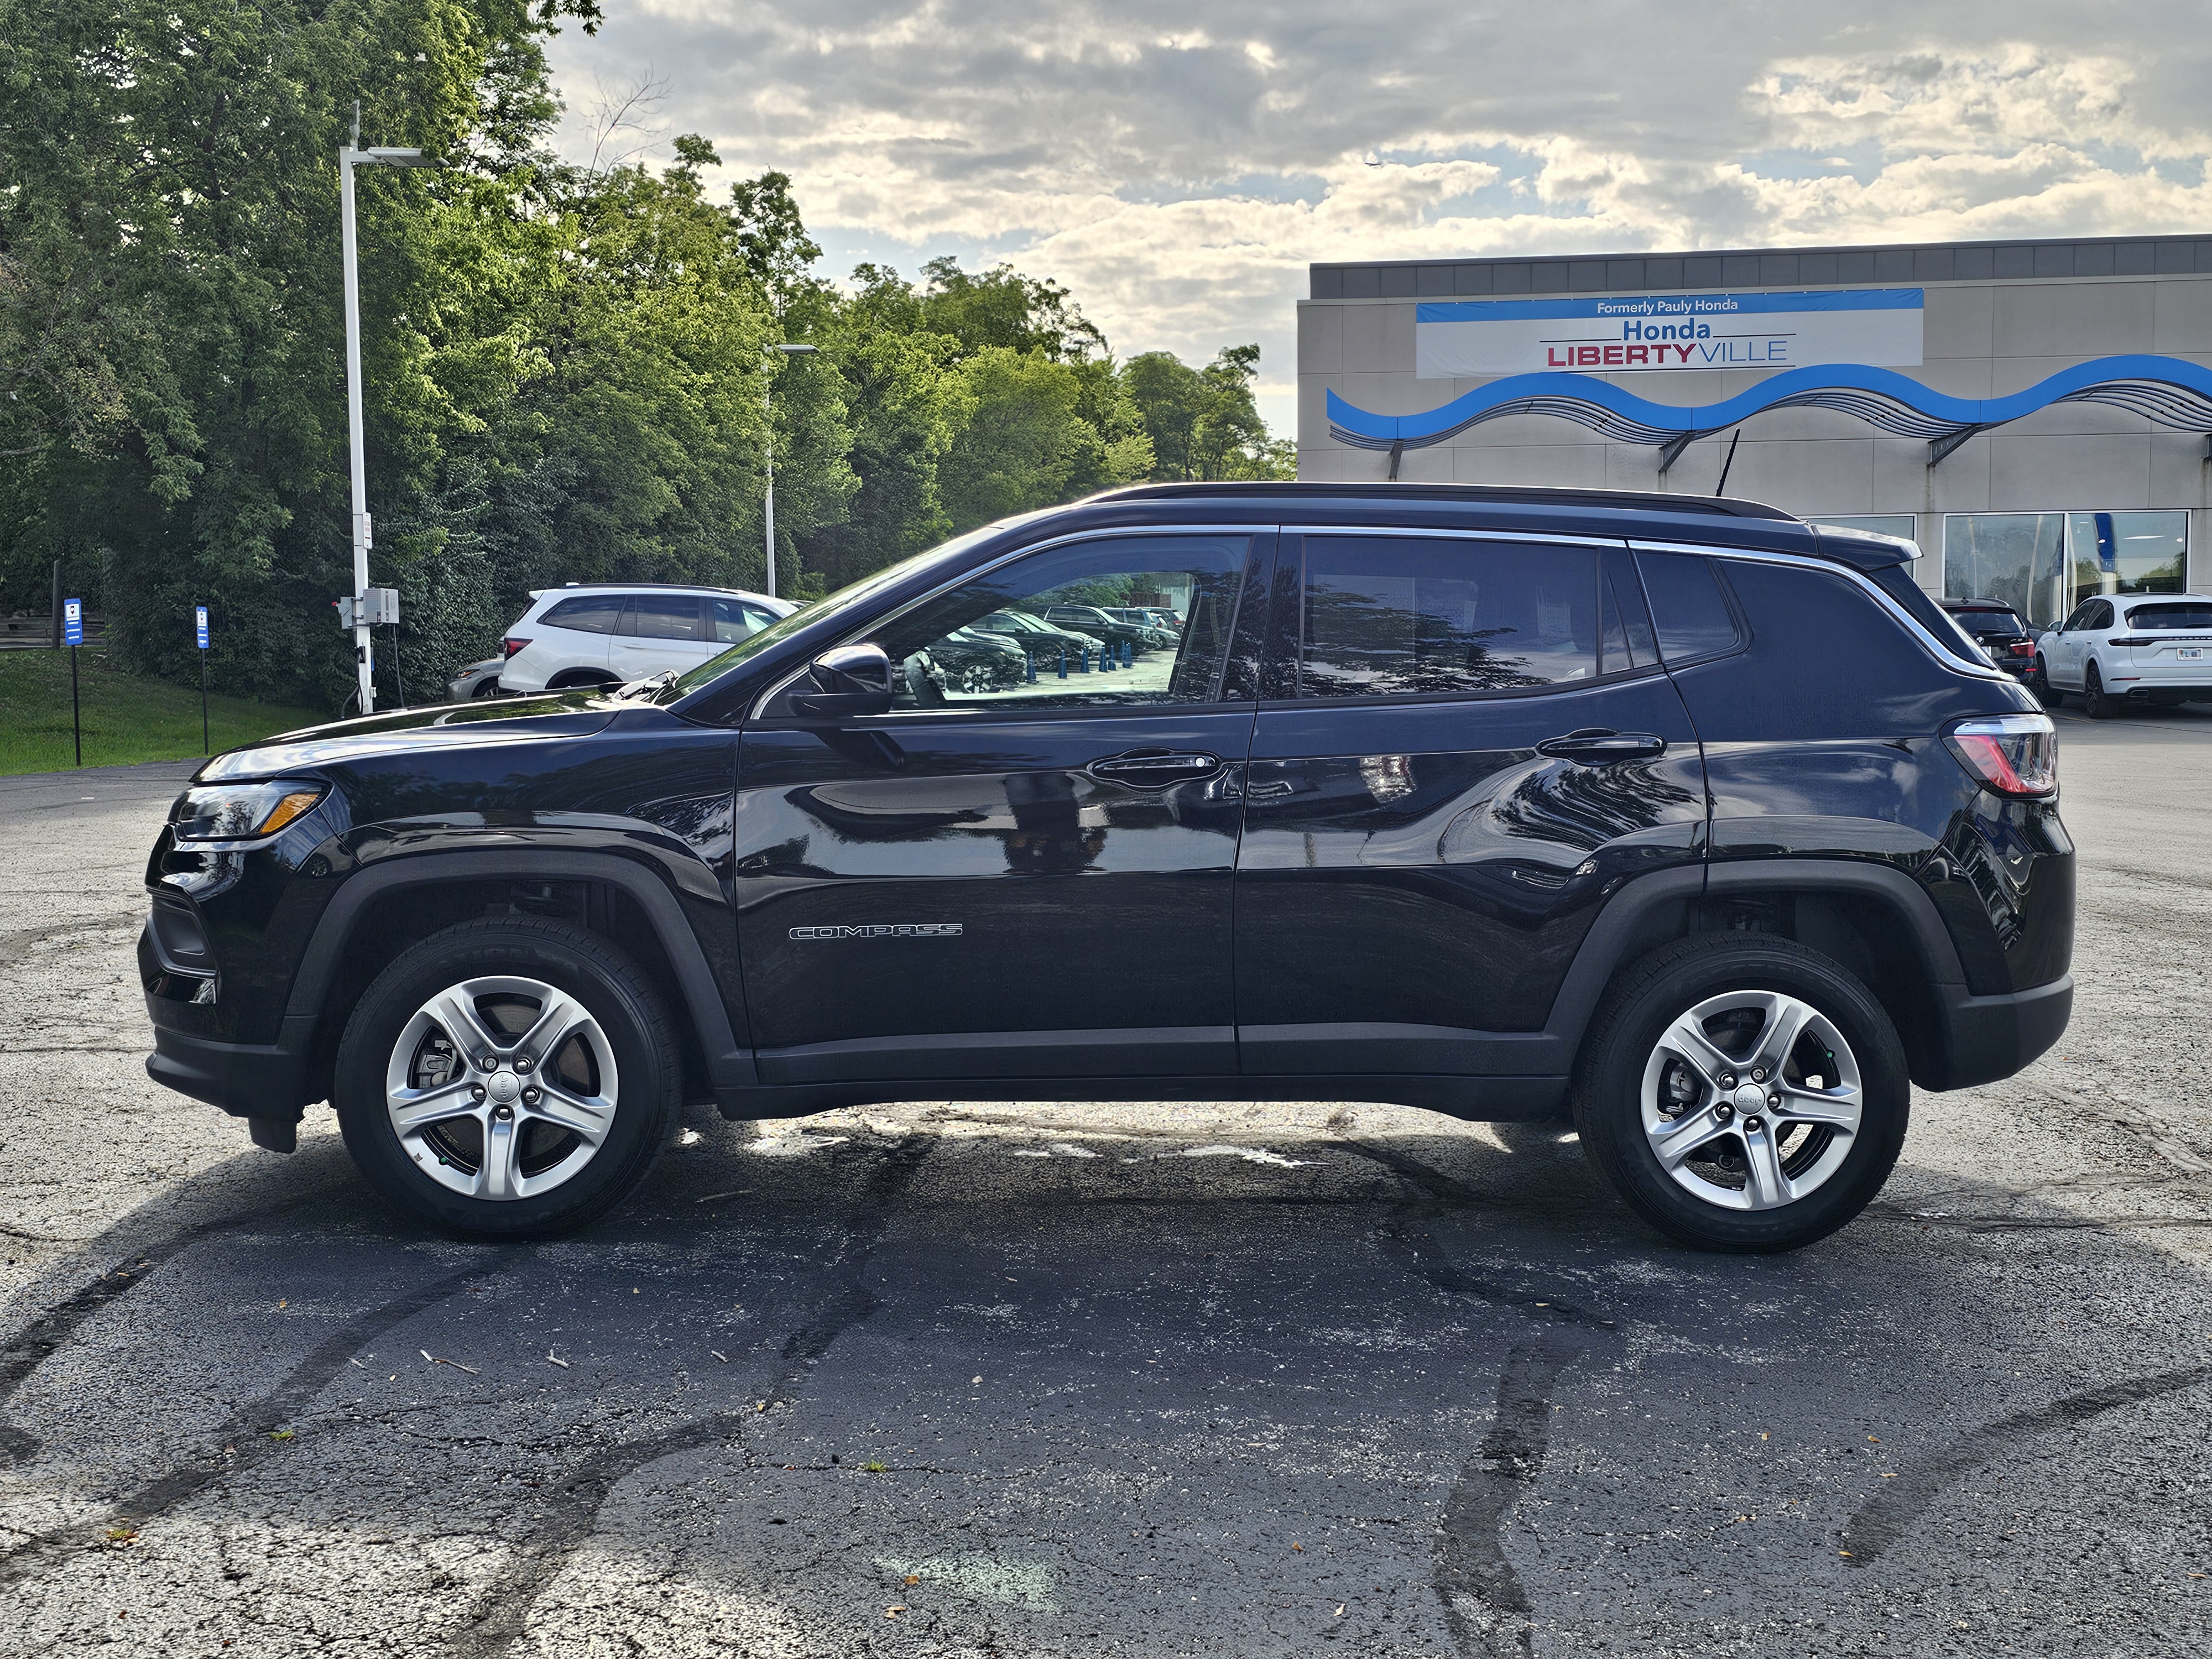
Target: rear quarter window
x=1688 y=608
x=1826 y=661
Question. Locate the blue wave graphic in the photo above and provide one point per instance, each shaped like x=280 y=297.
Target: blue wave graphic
x=2166 y=390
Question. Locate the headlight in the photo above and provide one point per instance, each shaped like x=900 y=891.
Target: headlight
x=241 y=812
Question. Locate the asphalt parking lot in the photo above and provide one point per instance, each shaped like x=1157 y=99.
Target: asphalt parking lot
x=1142 y=1381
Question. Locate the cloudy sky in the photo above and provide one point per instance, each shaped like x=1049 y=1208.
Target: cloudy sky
x=1177 y=165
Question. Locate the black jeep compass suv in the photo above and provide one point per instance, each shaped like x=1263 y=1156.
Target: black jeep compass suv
x=1498 y=802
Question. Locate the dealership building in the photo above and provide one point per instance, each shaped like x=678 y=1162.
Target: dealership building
x=2034 y=415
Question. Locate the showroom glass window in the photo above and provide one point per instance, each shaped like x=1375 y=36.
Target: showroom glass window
x=2128 y=552
x=2016 y=558
x=1041 y=632
x=1423 y=616
x=2042 y=564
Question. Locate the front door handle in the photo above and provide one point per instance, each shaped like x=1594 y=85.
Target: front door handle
x=1154 y=769
x=1594 y=746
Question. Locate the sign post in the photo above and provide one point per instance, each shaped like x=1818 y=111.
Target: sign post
x=199 y=629
x=73 y=636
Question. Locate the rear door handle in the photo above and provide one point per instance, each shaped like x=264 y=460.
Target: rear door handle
x=1595 y=747
x=1154 y=769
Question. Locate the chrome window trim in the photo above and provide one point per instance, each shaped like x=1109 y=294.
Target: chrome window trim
x=1927 y=640
x=759 y=710
x=1441 y=532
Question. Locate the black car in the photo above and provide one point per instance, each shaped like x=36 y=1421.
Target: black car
x=1508 y=804
x=1100 y=623
x=1997 y=627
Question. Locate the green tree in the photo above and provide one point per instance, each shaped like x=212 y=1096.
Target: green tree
x=1028 y=445
x=1204 y=423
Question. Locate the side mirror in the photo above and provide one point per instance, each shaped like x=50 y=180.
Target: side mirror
x=852 y=680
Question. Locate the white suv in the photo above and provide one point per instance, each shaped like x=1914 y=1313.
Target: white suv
x=586 y=634
x=2118 y=648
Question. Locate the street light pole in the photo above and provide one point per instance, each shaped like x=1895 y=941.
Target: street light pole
x=768 y=447
x=349 y=157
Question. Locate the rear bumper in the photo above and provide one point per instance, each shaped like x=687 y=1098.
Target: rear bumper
x=1983 y=1039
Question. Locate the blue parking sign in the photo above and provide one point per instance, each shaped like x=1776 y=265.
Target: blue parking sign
x=199 y=624
x=72 y=622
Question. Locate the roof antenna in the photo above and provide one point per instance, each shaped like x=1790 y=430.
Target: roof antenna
x=1722 y=487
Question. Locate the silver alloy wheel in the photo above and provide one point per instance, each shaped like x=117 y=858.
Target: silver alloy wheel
x=501 y=1087
x=1751 y=1100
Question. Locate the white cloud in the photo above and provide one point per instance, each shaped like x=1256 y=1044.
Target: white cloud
x=1178 y=166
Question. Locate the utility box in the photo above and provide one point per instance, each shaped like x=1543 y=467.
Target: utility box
x=382 y=610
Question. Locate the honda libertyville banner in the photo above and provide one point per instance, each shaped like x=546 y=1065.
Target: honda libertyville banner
x=1647 y=333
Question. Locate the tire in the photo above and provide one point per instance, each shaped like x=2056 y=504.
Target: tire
x=2096 y=703
x=1784 y=1189
x=486 y=688
x=2039 y=682
x=620 y=1079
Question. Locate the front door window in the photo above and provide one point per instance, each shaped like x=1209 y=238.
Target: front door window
x=1046 y=632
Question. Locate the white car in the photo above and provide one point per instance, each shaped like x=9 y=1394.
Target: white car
x=609 y=634
x=2118 y=649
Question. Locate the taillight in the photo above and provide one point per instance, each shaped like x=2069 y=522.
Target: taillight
x=2023 y=648
x=513 y=644
x=2014 y=755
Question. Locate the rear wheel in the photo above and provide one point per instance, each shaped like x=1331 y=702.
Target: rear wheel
x=2097 y=703
x=1743 y=1093
x=2038 y=681
x=509 y=1078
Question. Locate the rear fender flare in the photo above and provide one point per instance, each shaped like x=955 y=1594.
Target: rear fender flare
x=1606 y=948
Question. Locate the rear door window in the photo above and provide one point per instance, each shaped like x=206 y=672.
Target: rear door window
x=663 y=616
x=1388 y=617
x=1688 y=608
x=588 y=613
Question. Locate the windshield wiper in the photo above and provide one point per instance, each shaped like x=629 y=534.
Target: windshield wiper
x=666 y=676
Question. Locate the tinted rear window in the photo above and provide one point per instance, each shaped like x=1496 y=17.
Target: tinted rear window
x=1384 y=616
x=2170 y=615
x=664 y=616
x=589 y=613
x=1687 y=608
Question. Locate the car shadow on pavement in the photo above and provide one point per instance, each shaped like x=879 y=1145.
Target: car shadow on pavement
x=996 y=1380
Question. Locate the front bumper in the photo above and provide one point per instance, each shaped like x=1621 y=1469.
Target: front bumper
x=1982 y=1039
x=246 y=1080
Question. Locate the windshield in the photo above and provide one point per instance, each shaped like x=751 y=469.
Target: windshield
x=2170 y=615
x=1991 y=621
x=806 y=616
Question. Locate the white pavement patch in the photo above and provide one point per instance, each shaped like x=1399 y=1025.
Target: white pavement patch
x=794 y=1143
x=1249 y=1154
x=981 y=1578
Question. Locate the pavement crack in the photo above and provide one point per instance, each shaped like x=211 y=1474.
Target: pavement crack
x=1486 y=1605
x=1884 y=1518
x=845 y=1300
x=248 y=1427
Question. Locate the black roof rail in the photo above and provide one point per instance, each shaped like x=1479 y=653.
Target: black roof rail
x=1643 y=501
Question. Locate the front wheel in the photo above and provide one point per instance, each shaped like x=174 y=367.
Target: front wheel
x=507 y=1079
x=1743 y=1093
